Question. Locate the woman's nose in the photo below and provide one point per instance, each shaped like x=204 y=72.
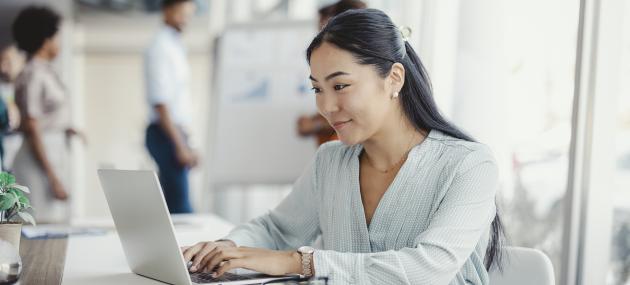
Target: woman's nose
x=328 y=104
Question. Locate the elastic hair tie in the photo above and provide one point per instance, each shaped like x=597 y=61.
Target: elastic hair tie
x=405 y=32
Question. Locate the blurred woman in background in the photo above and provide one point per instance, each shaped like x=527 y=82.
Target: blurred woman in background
x=41 y=96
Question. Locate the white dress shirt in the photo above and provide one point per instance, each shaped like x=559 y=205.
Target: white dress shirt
x=166 y=75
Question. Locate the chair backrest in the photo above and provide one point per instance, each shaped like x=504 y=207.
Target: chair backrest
x=523 y=266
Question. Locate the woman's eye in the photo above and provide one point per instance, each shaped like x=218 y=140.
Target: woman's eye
x=316 y=90
x=340 y=86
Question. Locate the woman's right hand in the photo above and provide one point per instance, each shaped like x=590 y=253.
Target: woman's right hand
x=197 y=253
x=58 y=191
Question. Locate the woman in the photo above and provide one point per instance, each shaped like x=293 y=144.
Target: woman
x=41 y=161
x=404 y=197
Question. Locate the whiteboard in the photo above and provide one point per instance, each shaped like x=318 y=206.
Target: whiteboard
x=261 y=88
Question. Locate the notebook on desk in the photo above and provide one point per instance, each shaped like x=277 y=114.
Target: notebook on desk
x=58 y=231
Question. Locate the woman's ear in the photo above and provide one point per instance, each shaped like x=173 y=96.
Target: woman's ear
x=397 y=76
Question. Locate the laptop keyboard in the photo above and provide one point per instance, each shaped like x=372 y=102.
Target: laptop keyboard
x=207 y=277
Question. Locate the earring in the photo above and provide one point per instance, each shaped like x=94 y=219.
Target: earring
x=394 y=95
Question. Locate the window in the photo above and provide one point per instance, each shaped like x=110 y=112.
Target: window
x=619 y=270
x=508 y=80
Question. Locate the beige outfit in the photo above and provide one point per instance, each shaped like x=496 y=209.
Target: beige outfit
x=41 y=95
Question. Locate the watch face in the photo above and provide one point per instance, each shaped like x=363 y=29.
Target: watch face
x=306 y=249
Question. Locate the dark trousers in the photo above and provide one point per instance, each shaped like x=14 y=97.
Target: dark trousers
x=173 y=176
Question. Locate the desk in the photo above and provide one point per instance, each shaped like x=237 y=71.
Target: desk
x=42 y=261
x=101 y=260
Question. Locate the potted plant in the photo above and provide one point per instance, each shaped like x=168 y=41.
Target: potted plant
x=13 y=209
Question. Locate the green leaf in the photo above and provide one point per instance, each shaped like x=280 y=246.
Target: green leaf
x=6 y=179
x=27 y=217
x=16 y=192
x=7 y=201
x=22 y=198
x=15 y=195
x=19 y=187
x=25 y=201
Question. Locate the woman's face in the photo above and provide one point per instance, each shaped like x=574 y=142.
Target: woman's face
x=51 y=45
x=354 y=99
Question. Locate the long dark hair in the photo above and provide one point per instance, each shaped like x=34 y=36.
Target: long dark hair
x=373 y=39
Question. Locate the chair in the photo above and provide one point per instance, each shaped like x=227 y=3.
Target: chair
x=523 y=266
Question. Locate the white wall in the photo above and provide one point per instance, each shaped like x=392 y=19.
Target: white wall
x=110 y=84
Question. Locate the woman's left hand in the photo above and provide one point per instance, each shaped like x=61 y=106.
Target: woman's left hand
x=271 y=262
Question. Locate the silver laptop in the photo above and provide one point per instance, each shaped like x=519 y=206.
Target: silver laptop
x=146 y=231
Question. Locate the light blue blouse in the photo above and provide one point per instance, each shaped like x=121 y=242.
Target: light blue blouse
x=430 y=227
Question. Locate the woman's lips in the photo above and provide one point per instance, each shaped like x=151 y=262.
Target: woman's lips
x=340 y=124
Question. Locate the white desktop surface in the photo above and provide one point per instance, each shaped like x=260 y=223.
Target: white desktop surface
x=100 y=259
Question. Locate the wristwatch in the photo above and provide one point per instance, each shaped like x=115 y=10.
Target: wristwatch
x=306 y=252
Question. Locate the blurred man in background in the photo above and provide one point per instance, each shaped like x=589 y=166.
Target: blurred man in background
x=167 y=90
